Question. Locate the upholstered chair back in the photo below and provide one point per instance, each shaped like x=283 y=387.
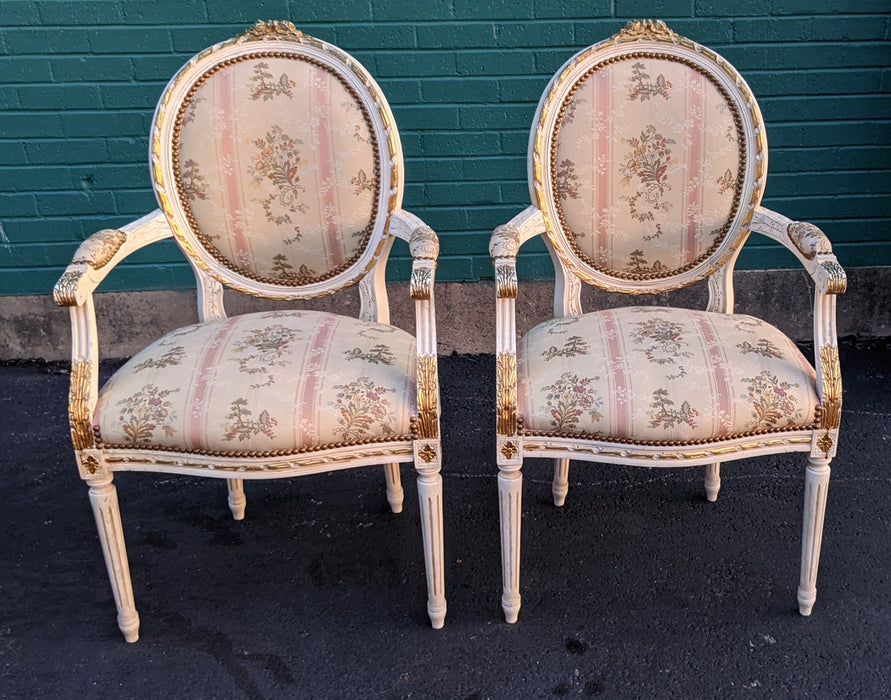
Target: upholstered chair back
x=648 y=158
x=273 y=163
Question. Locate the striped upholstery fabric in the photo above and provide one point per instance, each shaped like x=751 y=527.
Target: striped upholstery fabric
x=647 y=166
x=278 y=380
x=277 y=166
x=662 y=374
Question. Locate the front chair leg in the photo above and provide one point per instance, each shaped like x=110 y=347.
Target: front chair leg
x=395 y=495
x=816 y=484
x=104 y=499
x=712 y=481
x=237 y=500
x=560 y=486
x=510 y=492
x=430 y=498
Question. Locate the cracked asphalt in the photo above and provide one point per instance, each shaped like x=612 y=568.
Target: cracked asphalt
x=637 y=588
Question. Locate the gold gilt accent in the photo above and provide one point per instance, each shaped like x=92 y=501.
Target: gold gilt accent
x=421 y=283
x=78 y=405
x=506 y=386
x=830 y=413
x=427 y=423
x=98 y=250
x=90 y=464
x=825 y=443
x=427 y=453
x=506 y=281
x=653 y=29
x=809 y=239
x=509 y=449
x=65 y=291
x=273 y=29
x=838 y=281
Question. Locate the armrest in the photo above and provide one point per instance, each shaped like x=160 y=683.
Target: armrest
x=423 y=244
x=808 y=243
x=812 y=248
x=503 y=247
x=99 y=254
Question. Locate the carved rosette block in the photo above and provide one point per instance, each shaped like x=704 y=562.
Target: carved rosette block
x=90 y=464
x=427 y=423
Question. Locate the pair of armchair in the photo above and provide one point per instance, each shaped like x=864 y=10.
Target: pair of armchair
x=278 y=168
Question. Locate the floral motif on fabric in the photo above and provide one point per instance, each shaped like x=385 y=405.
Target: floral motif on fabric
x=376 y=331
x=747 y=324
x=773 y=401
x=362 y=183
x=574 y=345
x=267 y=347
x=172 y=357
x=726 y=182
x=569 y=398
x=144 y=412
x=265 y=87
x=641 y=87
x=663 y=412
x=283 y=269
x=638 y=263
x=649 y=160
x=665 y=343
x=242 y=426
x=360 y=405
x=557 y=326
x=571 y=108
x=764 y=347
x=192 y=110
x=567 y=180
x=193 y=184
x=278 y=161
x=380 y=354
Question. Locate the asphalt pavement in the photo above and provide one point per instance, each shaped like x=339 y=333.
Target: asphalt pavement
x=636 y=588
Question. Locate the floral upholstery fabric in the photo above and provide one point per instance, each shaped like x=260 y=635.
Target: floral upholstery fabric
x=277 y=380
x=277 y=166
x=647 y=166
x=652 y=373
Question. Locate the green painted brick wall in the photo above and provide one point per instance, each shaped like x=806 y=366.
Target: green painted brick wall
x=79 y=80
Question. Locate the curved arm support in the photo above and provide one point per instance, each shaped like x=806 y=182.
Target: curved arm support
x=92 y=262
x=503 y=247
x=813 y=249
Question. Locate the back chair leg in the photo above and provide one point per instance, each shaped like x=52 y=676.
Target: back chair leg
x=560 y=486
x=816 y=485
x=104 y=499
x=430 y=498
x=510 y=492
x=395 y=494
x=237 y=500
x=712 y=481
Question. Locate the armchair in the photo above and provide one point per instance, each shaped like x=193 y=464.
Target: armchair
x=647 y=163
x=278 y=168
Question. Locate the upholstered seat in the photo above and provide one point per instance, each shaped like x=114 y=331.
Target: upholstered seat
x=647 y=164
x=654 y=374
x=277 y=381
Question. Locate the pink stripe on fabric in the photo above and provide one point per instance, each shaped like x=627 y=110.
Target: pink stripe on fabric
x=618 y=375
x=308 y=391
x=328 y=172
x=201 y=385
x=694 y=166
x=719 y=376
x=228 y=153
x=603 y=104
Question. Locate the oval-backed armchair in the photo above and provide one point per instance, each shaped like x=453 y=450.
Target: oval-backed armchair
x=278 y=169
x=647 y=163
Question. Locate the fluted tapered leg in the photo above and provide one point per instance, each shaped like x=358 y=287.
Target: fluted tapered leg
x=430 y=497
x=816 y=484
x=104 y=499
x=395 y=495
x=560 y=486
x=237 y=500
x=510 y=492
x=712 y=481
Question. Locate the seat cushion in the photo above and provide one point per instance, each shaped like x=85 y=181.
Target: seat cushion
x=268 y=381
x=666 y=375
